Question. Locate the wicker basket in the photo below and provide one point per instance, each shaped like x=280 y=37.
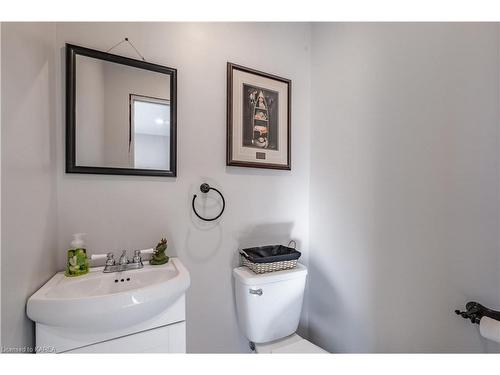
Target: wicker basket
x=268 y=267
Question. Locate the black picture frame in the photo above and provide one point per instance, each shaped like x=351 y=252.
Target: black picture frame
x=71 y=53
x=230 y=138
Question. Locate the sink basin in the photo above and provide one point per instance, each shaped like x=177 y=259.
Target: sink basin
x=108 y=301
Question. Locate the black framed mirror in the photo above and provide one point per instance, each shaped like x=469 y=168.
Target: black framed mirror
x=120 y=115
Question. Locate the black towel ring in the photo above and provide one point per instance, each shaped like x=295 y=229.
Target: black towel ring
x=205 y=188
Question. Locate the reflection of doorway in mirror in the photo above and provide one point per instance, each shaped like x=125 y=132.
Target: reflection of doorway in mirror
x=149 y=136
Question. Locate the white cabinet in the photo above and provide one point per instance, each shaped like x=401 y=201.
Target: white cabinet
x=167 y=339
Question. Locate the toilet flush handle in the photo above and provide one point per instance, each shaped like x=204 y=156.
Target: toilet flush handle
x=255 y=291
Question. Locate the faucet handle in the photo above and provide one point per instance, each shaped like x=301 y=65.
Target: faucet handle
x=137 y=257
x=110 y=259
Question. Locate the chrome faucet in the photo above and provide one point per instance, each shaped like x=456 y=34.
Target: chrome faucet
x=110 y=260
x=124 y=264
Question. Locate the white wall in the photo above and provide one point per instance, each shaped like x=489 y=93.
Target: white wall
x=404 y=185
x=263 y=206
x=28 y=157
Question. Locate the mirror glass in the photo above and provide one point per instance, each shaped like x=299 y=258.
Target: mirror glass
x=123 y=118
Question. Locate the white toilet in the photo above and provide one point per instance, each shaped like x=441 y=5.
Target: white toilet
x=269 y=307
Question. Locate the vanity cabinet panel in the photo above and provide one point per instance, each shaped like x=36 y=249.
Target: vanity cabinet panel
x=167 y=339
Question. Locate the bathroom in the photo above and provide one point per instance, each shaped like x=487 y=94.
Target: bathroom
x=390 y=190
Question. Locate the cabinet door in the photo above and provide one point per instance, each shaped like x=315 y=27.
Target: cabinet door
x=167 y=339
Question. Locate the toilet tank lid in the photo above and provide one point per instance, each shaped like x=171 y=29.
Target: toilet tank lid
x=248 y=277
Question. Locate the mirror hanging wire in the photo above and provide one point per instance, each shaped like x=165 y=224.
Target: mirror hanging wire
x=129 y=42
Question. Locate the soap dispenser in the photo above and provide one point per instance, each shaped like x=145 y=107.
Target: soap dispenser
x=78 y=263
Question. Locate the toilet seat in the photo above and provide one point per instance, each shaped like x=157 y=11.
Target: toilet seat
x=291 y=344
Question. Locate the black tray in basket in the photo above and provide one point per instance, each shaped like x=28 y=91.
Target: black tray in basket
x=269 y=254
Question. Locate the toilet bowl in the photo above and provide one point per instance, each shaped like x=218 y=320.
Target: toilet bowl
x=269 y=306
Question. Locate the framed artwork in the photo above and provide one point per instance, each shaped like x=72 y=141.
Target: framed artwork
x=258 y=119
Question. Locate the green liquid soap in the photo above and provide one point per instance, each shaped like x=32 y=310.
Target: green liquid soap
x=77 y=263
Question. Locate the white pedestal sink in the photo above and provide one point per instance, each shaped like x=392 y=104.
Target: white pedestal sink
x=131 y=311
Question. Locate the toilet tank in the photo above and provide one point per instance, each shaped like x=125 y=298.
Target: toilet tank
x=269 y=304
